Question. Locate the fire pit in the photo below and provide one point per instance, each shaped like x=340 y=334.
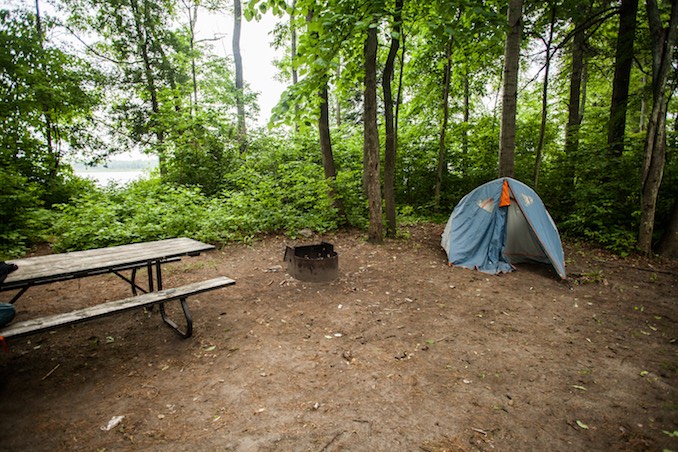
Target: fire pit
x=312 y=263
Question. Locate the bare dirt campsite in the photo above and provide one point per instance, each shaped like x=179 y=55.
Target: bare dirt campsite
x=400 y=352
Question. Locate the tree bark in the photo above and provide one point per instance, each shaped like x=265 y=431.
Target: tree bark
x=507 y=132
x=47 y=115
x=337 y=112
x=239 y=82
x=371 y=138
x=574 y=110
x=143 y=44
x=293 y=56
x=324 y=134
x=443 y=126
x=390 y=151
x=544 y=101
x=293 y=43
x=466 y=113
x=663 y=42
x=399 y=96
x=329 y=168
x=622 y=76
x=192 y=20
x=668 y=246
x=643 y=106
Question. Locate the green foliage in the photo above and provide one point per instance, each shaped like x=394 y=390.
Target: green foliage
x=605 y=206
x=17 y=199
x=263 y=195
x=167 y=94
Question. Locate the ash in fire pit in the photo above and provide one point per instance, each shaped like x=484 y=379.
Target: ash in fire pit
x=312 y=263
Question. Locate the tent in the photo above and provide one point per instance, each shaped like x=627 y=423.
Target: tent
x=500 y=223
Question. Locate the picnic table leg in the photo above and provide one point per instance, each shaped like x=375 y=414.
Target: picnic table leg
x=158 y=275
x=132 y=281
x=18 y=295
x=149 y=268
x=187 y=314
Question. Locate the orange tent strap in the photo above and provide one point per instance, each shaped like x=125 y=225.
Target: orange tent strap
x=505 y=199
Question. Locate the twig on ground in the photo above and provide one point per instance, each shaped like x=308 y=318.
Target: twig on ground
x=51 y=371
x=331 y=441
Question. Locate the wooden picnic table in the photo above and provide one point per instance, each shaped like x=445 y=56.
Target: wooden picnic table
x=33 y=271
x=51 y=268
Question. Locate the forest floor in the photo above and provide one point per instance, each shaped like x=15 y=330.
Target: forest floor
x=400 y=352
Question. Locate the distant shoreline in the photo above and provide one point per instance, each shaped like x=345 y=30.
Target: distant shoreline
x=105 y=177
x=116 y=166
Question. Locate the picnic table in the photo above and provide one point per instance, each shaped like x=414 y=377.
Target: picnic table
x=34 y=271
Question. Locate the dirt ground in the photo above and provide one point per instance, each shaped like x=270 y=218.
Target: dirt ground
x=401 y=352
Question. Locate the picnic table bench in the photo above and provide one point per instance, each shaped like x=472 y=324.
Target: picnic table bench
x=52 y=268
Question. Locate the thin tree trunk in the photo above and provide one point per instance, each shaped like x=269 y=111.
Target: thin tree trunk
x=544 y=101
x=466 y=113
x=371 y=138
x=668 y=247
x=329 y=168
x=192 y=19
x=663 y=42
x=443 y=125
x=337 y=113
x=46 y=114
x=293 y=56
x=643 y=106
x=399 y=96
x=143 y=44
x=293 y=44
x=390 y=151
x=574 y=110
x=622 y=76
x=324 y=134
x=584 y=89
x=239 y=82
x=507 y=132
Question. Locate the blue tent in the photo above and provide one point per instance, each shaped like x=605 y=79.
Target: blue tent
x=500 y=223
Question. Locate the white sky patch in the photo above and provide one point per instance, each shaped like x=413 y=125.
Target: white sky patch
x=257 y=54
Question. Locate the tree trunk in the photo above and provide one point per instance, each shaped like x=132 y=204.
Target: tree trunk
x=293 y=56
x=466 y=113
x=443 y=126
x=239 y=82
x=390 y=151
x=371 y=138
x=668 y=246
x=329 y=168
x=643 y=106
x=544 y=101
x=507 y=132
x=574 y=110
x=143 y=44
x=324 y=134
x=663 y=42
x=399 y=96
x=337 y=113
x=293 y=43
x=192 y=19
x=47 y=115
x=622 y=76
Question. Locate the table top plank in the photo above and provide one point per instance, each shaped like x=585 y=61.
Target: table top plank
x=77 y=263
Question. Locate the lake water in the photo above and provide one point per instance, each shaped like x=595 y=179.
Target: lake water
x=103 y=178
